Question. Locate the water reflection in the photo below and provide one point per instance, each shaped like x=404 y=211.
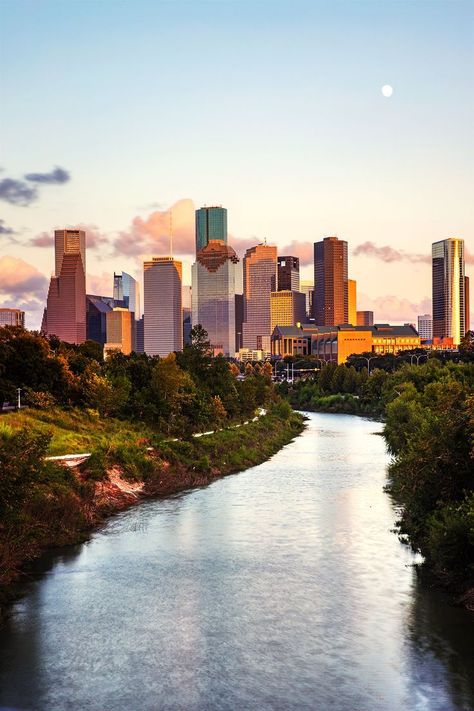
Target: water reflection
x=280 y=588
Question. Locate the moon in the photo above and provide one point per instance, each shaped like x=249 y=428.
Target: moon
x=387 y=90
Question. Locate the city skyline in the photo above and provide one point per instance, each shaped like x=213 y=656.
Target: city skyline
x=298 y=145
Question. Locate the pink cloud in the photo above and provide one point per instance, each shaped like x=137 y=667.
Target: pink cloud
x=100 y=284
x=43 y=239
x=151 y=235
x=389 y=254
x=20 y=280
x=392 y=309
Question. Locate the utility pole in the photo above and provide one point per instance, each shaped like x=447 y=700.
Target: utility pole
x=18 y=390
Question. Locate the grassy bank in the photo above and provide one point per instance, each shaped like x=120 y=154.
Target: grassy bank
x=45 y=505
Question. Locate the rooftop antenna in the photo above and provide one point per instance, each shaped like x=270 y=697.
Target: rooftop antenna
x=171 y=232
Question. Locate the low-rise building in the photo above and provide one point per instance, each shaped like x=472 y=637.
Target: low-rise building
x=12 y=317
x=337 y=343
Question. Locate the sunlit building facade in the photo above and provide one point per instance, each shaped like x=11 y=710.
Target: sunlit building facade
x=211 y=224
x=12 y=317
x=307 y=288
x=260 y=279
x=163 y=310
x=330 y=282
x=352 y=302
x=365 y=318
x=127 y=292
x=287 y=308
x=68 y=242
x=65 y=315
x=120 y=330
x=449 y=311
x=213 y=294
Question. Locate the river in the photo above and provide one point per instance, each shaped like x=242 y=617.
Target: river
x=282 y=587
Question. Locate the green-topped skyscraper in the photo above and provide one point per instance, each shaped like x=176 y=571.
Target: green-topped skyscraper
x=211 y=223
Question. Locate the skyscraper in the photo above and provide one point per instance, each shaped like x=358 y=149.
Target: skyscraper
x=425 y=327
x=65 y=315
x=330 y=282
x=211 y=223
x=467 y=305
x=68 y=242
x=163 y=311
x=307 y=288
x=260 y=275
x=288 y=274
x=287 y=308
x=352 y=302
x=97 y=308
x=449 y=311
x=213 y=294
x=127 y=291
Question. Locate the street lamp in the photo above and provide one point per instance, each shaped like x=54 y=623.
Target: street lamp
x=368 y=359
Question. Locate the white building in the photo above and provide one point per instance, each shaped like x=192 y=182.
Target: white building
x=425 y=327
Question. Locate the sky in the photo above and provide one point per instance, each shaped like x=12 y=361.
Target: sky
x=115 y=112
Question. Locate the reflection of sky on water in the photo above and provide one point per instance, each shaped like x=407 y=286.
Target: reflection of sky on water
x=283 y=587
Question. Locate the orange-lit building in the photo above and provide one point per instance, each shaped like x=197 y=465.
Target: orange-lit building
x=65 y=315
x=12 y=317
x=120 y=330
x=330 y=282
x=337 y=343
x=352 y=302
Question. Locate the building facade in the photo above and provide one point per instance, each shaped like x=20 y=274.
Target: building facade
x=213 y=294
x=288 y=277
x=211 y=224
x=425 y=327
x=260 y=277
x=352 y=302
x=287 y=308
x=467 y=305
x=127 y=292
x=163 y=310
x=365 y=318
x=12 y=317
x=120 y=331
x=307 y=288
x=68 y=242
x=65 y=315
x=97 y=308
x=449 y=311
x=330 y=282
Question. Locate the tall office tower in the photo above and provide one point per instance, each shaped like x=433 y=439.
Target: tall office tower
x=425 y=327
x=260 y=275
x=288 y=278
x=68 y=242
x=127 y=292
x=65 y=315
x=449 y=289
x=211 y=223
x=287 y=308
x=213 y=294
x=187 y=314
x=467 y=305
x=140 y=336
x=365 y=318
x=239 y=319
x=12 y=317
x=120 y=330
x=307 y=288
x=163 y=310
x=330 y=282
x=352 y=302
x=97 y=308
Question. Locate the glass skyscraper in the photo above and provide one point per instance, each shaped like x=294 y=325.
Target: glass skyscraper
x=127 y=290
x=449 y=312
x=211 y=224
x=213 y=294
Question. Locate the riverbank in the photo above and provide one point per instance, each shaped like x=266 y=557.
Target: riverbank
x=129 y=463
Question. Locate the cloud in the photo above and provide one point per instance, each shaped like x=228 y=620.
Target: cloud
x=56 y=177
x=151 y=235
x=101 y=285
x=303 y=250
x=20 y=280
x=5 y=229
x=389 y=254
x=44 y=239
x=390 y=309
x=16 y=192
